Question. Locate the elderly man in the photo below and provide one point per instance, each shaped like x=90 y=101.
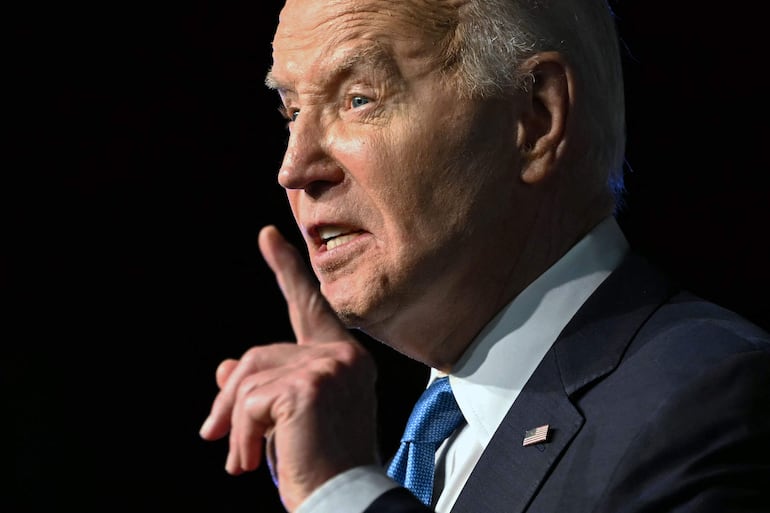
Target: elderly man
x=454 y=167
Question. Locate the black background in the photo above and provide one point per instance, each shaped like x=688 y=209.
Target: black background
x=143 y=156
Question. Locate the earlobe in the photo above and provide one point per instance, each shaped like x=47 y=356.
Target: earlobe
x=543 y=122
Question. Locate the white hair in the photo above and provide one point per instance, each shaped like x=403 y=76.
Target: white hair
x=491 y=37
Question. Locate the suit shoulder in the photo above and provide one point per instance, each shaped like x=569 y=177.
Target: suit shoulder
x=691 y=326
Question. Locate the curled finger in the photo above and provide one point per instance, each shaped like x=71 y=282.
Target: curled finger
x=251 y=421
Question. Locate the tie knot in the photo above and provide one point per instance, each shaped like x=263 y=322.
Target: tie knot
x=435 y=416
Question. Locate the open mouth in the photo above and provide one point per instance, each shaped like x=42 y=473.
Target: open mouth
x=333 y=236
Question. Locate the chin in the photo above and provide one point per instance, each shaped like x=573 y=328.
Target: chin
x=350 y=316
x=353 y=314
x=351 y=320
x=355 y=301
x=342 y=304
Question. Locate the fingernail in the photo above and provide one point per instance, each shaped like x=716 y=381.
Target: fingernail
x=206 y=427
x=230 y=465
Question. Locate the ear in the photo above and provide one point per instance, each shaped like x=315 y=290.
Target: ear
x=543 y=120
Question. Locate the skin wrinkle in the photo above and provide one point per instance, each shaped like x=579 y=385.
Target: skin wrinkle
x=429 y=189
x=415 y=16
x=419 y=219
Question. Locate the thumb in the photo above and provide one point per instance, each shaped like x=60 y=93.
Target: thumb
x=312 y=318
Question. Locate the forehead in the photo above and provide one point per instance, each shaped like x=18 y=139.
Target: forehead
x=313 y=35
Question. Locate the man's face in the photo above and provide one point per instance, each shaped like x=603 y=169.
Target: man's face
x=401 y=188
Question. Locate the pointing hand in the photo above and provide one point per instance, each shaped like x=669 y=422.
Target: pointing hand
x=315 y=398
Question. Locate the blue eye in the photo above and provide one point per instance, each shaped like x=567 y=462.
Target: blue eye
x=359 y=101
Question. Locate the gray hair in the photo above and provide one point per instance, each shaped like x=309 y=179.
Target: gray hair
x=492 y=37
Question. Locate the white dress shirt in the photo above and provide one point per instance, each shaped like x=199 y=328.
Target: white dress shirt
x=492 y=372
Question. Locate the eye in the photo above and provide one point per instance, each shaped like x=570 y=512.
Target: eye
x=289 y=114
x=359 y=101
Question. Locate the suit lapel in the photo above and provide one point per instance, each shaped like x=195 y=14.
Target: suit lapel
x=509 y=474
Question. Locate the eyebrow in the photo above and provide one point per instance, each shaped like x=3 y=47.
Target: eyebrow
x=372 y=57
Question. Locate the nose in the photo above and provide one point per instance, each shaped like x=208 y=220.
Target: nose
x=308 y=163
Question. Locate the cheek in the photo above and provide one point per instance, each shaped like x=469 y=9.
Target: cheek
x=399 y=179
x=419 y=181
x=382 y=169
x=350 y=147
x=433 y=173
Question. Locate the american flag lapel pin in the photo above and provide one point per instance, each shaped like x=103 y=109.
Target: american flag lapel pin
x=535 y=435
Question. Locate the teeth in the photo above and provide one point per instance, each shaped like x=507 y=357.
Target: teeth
x=327 y=232
x=334 y=236
x=333 y=243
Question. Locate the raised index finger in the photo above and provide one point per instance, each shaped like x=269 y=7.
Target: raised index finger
x=311 y=316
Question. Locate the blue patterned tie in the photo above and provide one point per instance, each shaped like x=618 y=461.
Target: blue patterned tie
x=434 y=417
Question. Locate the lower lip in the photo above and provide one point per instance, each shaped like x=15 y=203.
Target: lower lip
x=353 y=245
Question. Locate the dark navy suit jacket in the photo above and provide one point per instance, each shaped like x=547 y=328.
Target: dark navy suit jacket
x=657 y=402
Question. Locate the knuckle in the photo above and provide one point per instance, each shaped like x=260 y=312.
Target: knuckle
x=246 y=386
x=343 y=359
x=253 y=403
x=252 y=355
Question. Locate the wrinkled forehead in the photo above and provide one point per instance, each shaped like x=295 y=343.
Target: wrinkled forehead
x=312 y=31
x=406 y=17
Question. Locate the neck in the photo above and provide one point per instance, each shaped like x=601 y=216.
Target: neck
x=439 y=329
